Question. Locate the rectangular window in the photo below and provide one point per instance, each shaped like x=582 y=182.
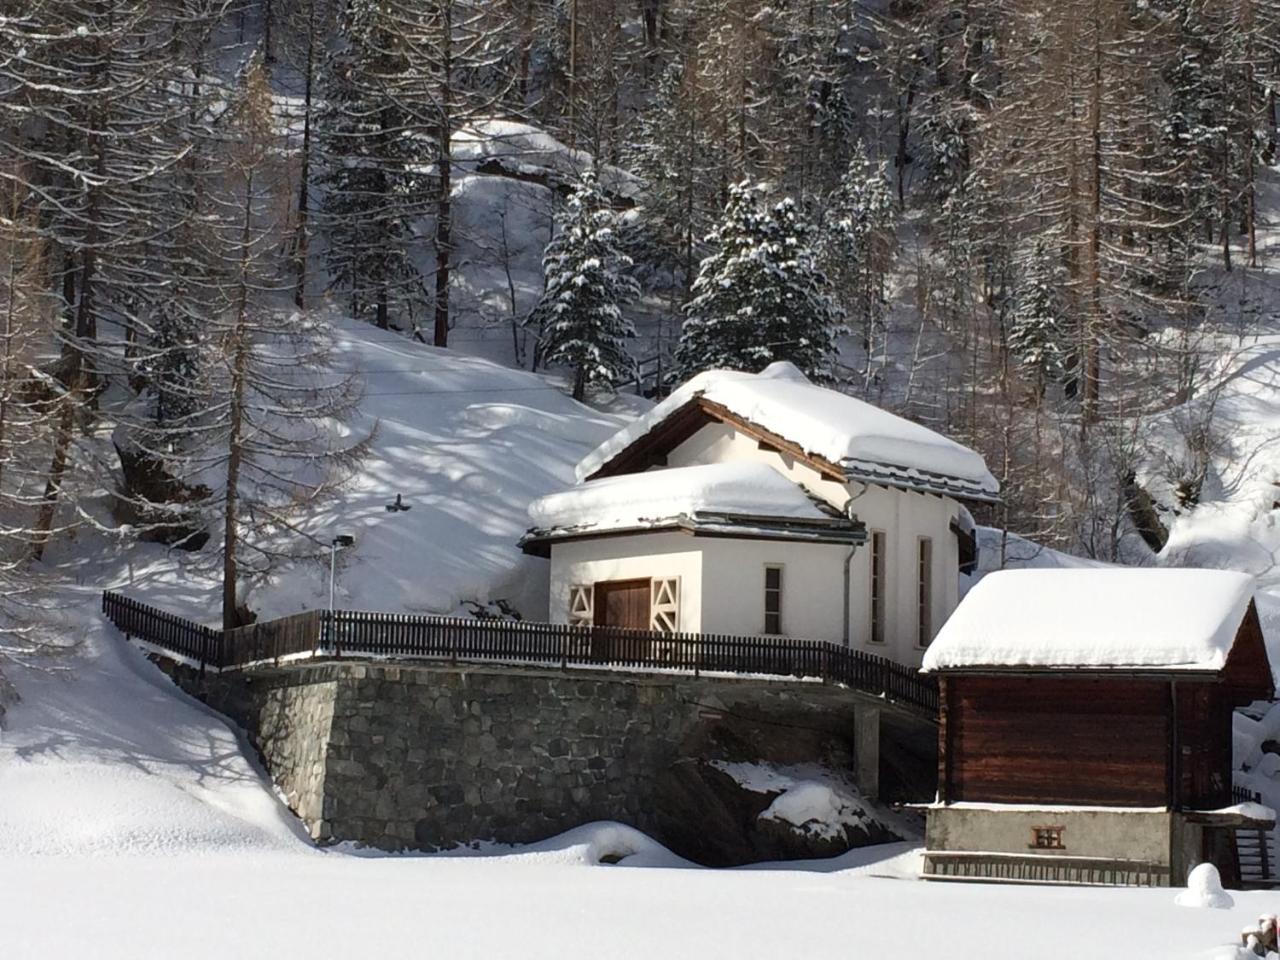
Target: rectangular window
x=1047 y=838
x=877 y=586
x=773 y=600
x=924 y=593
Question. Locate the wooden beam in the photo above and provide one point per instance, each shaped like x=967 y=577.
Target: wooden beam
x=716 y=411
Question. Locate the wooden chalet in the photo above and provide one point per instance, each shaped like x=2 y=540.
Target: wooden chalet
x=1085 y=725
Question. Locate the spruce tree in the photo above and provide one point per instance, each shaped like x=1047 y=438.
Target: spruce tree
x=580 y=314
x=761 y=296
x=1036 y=334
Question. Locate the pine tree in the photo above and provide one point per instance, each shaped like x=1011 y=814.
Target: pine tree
x=580 y=315
x=761 y=296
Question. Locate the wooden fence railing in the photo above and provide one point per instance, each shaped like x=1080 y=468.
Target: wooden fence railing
x=403 y=636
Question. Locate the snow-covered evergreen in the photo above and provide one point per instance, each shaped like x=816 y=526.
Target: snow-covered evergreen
x=580 y=319
x=1036 y=335
x=761 y=296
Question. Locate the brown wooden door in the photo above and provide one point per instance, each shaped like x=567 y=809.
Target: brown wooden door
x=622 y=603
x=618 y=603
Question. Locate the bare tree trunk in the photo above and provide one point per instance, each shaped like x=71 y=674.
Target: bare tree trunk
x=235 y=443
x=301 y=241
x=444 y=208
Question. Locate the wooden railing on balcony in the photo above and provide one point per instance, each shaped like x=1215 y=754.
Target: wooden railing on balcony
x=356 y=634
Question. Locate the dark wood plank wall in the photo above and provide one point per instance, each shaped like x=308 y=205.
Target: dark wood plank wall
x=1248 y=670
x=1057 y=740
x=1204 y=745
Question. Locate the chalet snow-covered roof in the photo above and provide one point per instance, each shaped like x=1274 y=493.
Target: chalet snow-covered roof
x=1095 y=619
x=739 y=498
x=859 y=439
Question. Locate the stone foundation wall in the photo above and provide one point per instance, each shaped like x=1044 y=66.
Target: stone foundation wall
x=431 y=756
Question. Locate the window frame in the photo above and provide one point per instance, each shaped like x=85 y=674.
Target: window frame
x=877 y=593
x=776 y=593
x=924 y=591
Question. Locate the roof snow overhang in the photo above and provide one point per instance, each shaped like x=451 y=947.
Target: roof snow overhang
x=538 y=542
x=651 y=450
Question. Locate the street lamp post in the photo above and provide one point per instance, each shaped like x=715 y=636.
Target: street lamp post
x=340 y=541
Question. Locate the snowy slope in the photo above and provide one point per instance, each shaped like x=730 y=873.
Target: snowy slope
x=465 y=442
x=1236 y=522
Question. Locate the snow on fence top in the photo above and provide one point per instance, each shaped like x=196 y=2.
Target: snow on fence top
x=1104 y=618
x=867 y=442
x=648 y=499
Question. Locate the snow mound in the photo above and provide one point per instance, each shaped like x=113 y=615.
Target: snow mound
x=809 y=799
x=1204 y=889
x=641 y=499
x=865 y=440
x=602 y=842
x=1115 y=617
x=814 y=808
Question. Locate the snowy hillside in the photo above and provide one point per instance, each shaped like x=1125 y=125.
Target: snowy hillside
x=1229 y=441
x=466 y=444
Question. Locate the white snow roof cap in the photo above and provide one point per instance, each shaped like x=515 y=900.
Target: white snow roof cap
x=1102 y=618
x=866 y=442
x=724 y=493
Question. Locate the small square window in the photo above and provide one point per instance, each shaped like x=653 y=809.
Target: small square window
x=1047 y=838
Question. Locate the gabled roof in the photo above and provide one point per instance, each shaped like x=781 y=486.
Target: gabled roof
x=1104 y=619
x=841 y=436
x=740 y=499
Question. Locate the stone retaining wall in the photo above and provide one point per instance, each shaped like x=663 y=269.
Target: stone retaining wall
x=432 y=756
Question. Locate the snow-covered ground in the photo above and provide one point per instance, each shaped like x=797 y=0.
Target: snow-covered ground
x=1236 y=522
x=132 y=825
x=466 y=443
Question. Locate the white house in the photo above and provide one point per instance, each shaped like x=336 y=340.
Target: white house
x=765 y=504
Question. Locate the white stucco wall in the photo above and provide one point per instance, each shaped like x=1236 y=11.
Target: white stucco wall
x=904 y=517
x=733 y=586
x=652 y=555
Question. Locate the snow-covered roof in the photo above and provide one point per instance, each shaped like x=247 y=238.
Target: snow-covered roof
x=1107 y=618
x=717 y=494
x=866 y=442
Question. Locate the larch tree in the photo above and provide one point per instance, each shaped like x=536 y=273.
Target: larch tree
x=269 y=440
